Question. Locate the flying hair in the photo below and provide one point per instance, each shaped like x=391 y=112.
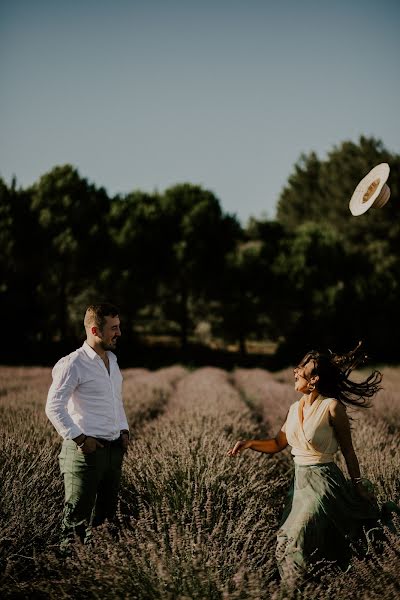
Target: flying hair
x=334 y=372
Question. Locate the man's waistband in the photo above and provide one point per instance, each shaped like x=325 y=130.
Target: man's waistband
x=107 y=443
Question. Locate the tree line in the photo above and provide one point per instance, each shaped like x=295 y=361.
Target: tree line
x=174 y=262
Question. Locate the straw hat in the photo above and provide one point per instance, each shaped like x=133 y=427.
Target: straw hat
x=371 y=191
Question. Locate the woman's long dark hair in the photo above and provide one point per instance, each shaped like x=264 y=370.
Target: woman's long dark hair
x=334 y=371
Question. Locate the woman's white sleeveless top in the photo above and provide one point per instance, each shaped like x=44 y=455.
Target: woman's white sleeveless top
x=313 y=441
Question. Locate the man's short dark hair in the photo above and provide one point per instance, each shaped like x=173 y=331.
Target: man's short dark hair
x=95 y=315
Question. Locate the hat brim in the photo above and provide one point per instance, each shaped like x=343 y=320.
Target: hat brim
x=368 y=190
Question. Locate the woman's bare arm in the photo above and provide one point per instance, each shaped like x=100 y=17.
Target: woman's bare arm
x=341 y=425
x=270 y=446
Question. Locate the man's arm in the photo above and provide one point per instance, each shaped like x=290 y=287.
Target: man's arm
x=122 y=420
x=65 y=380
x=123 y=423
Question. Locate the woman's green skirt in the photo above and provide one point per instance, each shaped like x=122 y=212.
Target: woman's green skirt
x=324 y=520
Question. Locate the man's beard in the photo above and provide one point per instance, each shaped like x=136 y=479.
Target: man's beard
x=109 y=346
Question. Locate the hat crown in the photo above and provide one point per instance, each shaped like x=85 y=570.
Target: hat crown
x=383 y=197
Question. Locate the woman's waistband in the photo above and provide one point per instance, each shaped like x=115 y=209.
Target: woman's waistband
x=314 y=465
x=312 y=459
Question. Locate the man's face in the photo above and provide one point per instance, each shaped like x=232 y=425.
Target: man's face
x=110 y=333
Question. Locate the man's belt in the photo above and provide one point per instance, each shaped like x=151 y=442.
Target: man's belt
x=107 y=443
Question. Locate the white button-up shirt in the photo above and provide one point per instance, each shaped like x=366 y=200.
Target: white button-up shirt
x=85 y=398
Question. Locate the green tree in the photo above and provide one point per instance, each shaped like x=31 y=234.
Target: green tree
x=7 y=240
x=242 y=313
x=251 y=297
x=140 y=250
x=197 y=238
x=311 y=267
x=364 y=306
x=367 y=307
x=320 y=191
x=303 y=198
x=20 y=250
x=73 y=219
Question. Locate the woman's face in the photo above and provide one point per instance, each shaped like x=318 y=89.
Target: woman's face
x=303 y=376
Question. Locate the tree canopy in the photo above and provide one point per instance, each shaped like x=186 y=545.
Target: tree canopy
x=314 y=277
x=320 y=191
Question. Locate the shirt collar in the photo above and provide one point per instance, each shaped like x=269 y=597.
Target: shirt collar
x=92 y=353
x=89 y=351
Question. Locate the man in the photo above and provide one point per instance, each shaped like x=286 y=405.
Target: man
x=84 y=404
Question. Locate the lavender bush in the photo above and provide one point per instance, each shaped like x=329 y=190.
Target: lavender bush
x=193 y=522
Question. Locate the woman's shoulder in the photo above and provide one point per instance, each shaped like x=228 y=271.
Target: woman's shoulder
x=328 y=405
x=330 y=401
x=335 y=406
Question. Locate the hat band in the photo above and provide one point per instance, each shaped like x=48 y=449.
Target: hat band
x=371 y=190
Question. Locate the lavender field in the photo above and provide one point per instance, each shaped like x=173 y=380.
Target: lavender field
x=194 y=523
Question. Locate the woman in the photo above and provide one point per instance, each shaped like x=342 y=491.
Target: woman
x=326 y=517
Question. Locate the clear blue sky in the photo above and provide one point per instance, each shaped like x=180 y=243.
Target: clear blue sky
x=225 y=94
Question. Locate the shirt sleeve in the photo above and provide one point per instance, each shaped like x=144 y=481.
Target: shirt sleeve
x=123 y=422
x=65 y=381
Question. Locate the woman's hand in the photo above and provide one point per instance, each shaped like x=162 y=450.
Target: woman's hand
x=270 y=446
x=365 y=493
x=239 y=446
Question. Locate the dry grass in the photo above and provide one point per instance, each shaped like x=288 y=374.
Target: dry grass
x=194 y=522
